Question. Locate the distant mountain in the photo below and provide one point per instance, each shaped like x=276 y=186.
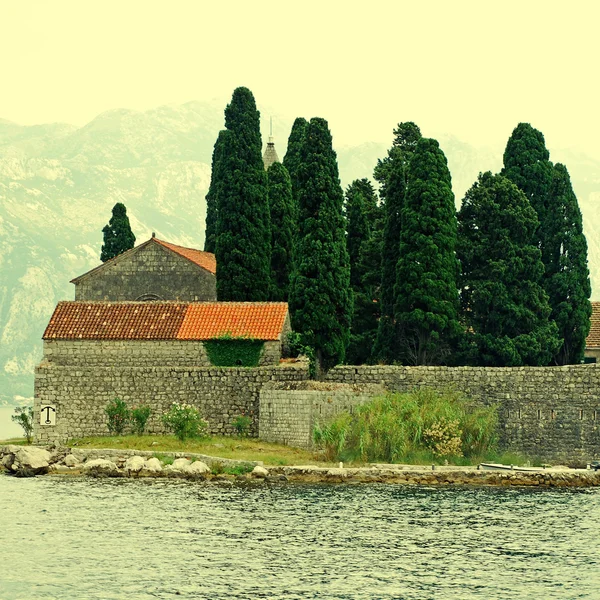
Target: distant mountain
x=58 y=184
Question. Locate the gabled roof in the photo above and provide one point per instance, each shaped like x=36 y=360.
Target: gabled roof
x=166 y=320
x=206 y=260
x=593 y=338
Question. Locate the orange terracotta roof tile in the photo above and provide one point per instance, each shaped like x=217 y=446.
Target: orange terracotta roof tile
x=166 y=320
x=593 y=338
x=206 y=260
x=256 y=320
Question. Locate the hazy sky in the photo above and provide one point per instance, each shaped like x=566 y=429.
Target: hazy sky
x=472 y=69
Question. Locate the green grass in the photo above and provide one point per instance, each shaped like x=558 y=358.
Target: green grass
x=14 y=441
x=250 y=449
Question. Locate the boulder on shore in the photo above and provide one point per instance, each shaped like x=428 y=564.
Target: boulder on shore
x=101 y=467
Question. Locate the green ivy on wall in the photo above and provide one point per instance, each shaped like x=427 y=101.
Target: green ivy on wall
x=228 y=352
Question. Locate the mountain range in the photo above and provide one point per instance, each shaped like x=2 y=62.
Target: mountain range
x=59 y=182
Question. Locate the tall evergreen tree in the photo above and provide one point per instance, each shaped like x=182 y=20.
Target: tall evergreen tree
x=567 y=280
x=505 y=307
x=426 y=308
x=118 y=236
x=243 y=247
x=320 y=297
x=363 y=237
x=392 y=175
x=291 y=160
x=283 y=229
x=212 y=210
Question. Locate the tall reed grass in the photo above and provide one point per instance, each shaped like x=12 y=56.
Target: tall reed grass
x=424 y=425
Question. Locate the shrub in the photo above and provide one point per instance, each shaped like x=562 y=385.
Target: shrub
x=24 y=417
x=242 y=425
x=298 y=347
x=185 y=421
x=398 y=427
x=234 y=352
x=118 y=416
x=139 y=418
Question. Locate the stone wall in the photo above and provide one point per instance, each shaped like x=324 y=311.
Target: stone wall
x=548 y=413
x=140 y=353
x=80 y=394
x=153 y=272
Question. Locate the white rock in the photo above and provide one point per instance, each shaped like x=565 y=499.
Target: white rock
x=196 y=468
x=33 y=458
x=8 y=460
x=180 y=463
x=153 y=465
x=134 y=464
x=99 y=467
x=259 y=472
x=70 y=461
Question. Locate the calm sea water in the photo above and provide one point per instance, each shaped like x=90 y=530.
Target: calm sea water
x=8 y=429
x=88 y=539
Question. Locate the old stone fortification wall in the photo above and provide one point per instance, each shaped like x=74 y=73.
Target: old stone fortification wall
x=552 y=413
x=80 y=394
x=152 y=271
x=140 y=353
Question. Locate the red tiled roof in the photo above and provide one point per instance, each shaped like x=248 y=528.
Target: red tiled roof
x=257 y=320
x=593 y=338
x=166 y=320
x=206 y=260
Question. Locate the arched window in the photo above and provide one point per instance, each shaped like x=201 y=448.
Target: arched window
x=148 y=298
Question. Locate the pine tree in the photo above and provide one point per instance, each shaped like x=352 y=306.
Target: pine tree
x=283 y=229
x=243 y=246
x=363 y=229
x=392 y=175
x=320 y=297
x=291 y=160
x=567 y=280
x=426 y=308
x=212 y=210
x=118 y=236
x=503 y=302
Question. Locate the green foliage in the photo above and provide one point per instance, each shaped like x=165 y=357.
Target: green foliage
x=118 y=236
x=283 y=229
x=234 y=352
x=185 y=422
x=567 y=278
x=118 y=416
x=426 y=309
x=364 y=223
x=212 y=209
x=24 y=417
x=320 y=296
x=504 y=305
x=243 y=247
x=242 y=425
x=165 y=459
x=392 y=175
x=396 y=427
x=292 y=160
x=299 y=348
x=139 y=417
x=218 y=468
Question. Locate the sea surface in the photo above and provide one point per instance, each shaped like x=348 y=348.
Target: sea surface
x=8 y=429
x=63 y=538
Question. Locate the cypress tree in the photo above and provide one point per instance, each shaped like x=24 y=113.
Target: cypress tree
x=212 y=210
x=243 y=247
x=426 y=308
x=283 y=229
x=503 y=301
x=567 y=280
x=320 y=297
x=364 y=224
x=392 y=175
x=291 y=160
x=118 y=236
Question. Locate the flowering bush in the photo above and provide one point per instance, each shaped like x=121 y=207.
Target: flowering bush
x=118 y=416
x=185 y=421
x=444 y=438
x=139 y=418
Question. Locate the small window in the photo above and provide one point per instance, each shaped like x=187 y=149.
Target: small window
x=539 y=414
x=552 y=414
x=581 y=414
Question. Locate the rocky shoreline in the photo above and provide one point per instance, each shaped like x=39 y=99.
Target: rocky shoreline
x=28 y=461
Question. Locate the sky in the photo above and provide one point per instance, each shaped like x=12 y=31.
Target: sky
x=472 y=69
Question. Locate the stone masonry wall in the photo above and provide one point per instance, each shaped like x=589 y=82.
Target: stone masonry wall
x=81 y=393
x=140 y=353
x=151 y=271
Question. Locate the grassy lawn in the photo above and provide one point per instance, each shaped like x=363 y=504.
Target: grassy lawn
x=224 y=447
x=20 y=441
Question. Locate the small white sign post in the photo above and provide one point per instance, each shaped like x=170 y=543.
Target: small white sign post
x=48 y=414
